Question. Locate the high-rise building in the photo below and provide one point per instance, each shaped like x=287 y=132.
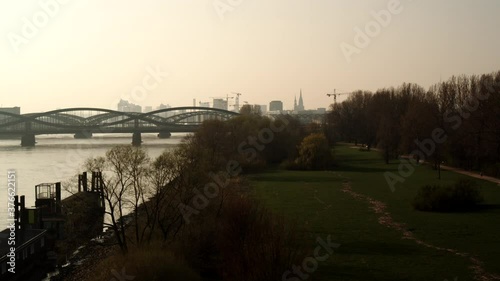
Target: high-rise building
x=148 y=108
x=126 y=106
x=164 y=106
x=263 y=109
x=204 y=104
x=276 y=105
x=13 y=110
x=220 y=104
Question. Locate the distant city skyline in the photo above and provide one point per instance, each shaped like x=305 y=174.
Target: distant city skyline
x=172 y=52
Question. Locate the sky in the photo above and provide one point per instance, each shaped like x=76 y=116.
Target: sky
x=73 y=53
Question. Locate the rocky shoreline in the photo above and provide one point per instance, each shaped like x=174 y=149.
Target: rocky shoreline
x=81 y=264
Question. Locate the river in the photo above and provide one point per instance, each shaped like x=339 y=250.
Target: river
x=60 y=158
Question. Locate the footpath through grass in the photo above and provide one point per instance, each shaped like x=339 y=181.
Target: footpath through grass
x=369 y=249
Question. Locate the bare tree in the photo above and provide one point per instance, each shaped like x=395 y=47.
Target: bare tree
x=113 y=193
x=161 y=210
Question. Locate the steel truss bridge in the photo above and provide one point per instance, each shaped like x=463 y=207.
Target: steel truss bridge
x=83 y=122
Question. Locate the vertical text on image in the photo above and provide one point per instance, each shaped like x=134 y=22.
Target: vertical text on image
x=11 y=209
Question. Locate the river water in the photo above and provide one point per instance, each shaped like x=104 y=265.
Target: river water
x=59 y=158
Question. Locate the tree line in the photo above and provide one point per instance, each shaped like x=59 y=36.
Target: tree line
x=194 y=203
x=454 y=122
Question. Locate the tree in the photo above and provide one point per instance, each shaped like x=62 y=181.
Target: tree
x=248 y=109
x=418 y=123
x=163 y=175
x=123 y=187
x=314 y=153
x=113 y=194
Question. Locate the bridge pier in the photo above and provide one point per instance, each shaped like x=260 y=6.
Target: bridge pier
x=83 y=135
x=164 y=135
x=136 y=139
x=28 y=140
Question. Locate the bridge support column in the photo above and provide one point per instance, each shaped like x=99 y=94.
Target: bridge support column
x=136 y=139
x=83 y=135
x=28 y=140
x=164 y=135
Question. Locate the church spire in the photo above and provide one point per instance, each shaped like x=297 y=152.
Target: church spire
x=300 y=107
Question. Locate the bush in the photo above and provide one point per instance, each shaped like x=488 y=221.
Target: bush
x=236 y=238
x=265 y=244
x=462 y=196
x=314 y=153
x=152 y=263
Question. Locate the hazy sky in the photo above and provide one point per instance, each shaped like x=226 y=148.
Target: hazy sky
x=92 y=53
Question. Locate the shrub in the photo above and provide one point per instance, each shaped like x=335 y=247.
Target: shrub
x=265 y=244
x=236 y=238
x=462 y=196
x=152 y=263
x=314 y=153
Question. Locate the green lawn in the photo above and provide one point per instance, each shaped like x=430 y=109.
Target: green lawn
x=369 y=250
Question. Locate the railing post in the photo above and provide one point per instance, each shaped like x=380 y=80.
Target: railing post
x=58 y=197
x=92 y=186
x=85 y=185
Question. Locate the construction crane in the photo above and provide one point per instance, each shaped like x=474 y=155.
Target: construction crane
x=237 y=101
x=335 y=94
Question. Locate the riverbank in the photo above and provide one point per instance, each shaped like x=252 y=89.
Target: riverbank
x=81 y=265
x=381 y=237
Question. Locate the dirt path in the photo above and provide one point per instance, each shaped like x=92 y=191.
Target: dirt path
x=471 y=174
x=452 y=169
x=385 y=219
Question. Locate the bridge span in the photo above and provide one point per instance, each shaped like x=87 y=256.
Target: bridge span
x=85 y=121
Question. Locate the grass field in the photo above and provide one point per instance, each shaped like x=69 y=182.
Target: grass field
x=371 y=250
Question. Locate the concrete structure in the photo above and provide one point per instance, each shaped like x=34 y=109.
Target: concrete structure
x=38 y=229
x=204 y=104
x=220 y=104
x=276 y=105
x=164 y=106
x=321 y=110
x=263 y=109
x=13 y=110
x=126 y=106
